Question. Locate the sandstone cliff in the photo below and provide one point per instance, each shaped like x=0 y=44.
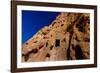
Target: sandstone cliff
x=66 y=38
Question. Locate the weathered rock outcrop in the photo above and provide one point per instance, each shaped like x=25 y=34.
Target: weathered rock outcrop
x=67 y=38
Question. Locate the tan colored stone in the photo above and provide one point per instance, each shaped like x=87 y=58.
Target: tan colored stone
x=62 y=40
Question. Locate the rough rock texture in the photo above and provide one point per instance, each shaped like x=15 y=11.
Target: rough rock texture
x=67 y=38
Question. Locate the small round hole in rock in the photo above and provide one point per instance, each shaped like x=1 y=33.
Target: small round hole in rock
x=35 y=50
x=48 y=55
x=51 y=47
x=62 y=24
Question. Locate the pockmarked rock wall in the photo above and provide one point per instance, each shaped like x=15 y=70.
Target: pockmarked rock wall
x=66 y=38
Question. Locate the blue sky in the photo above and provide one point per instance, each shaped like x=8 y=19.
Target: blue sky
x=32 y=21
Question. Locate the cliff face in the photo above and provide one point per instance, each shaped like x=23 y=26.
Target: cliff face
x=67 y=38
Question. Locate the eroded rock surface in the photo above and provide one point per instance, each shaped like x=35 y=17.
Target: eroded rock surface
x=67 y=38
